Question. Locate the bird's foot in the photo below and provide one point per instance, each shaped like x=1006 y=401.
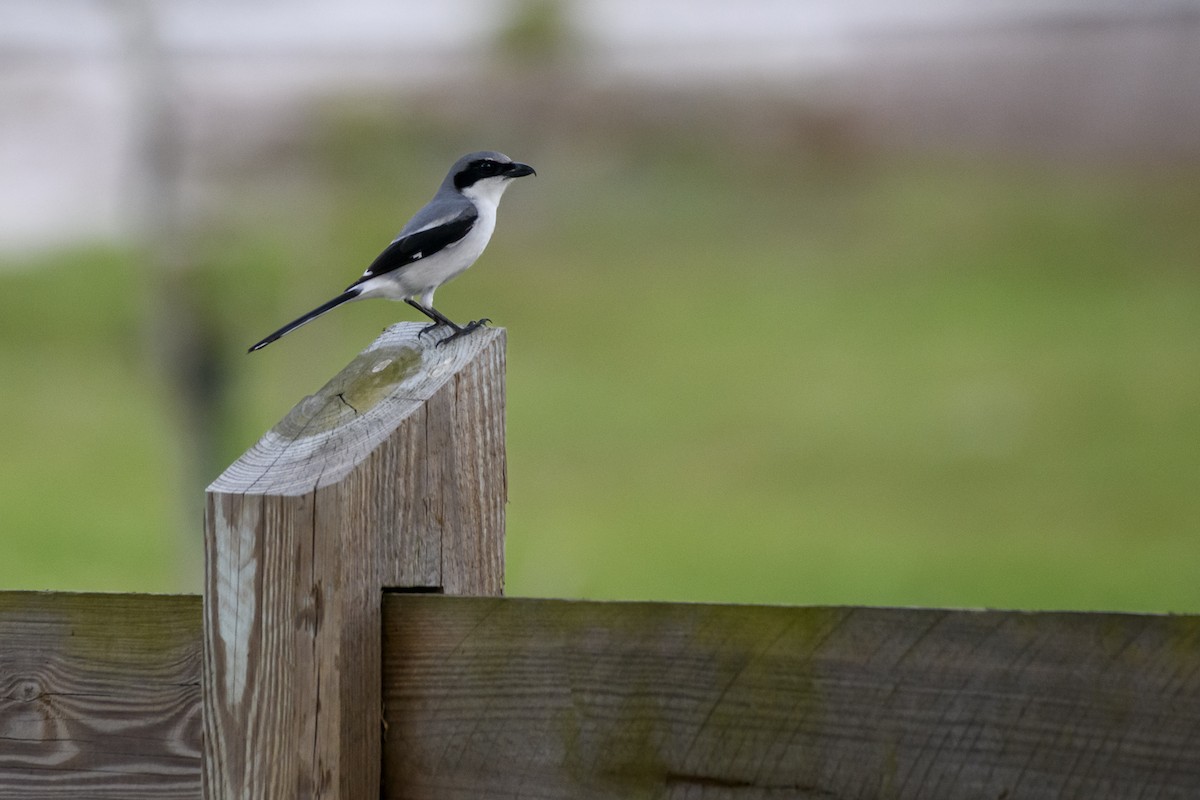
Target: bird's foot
x=465 y=329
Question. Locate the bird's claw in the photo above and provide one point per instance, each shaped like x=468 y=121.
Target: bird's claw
x=465 y=329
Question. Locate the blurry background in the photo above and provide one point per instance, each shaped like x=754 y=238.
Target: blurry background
x=812 y=301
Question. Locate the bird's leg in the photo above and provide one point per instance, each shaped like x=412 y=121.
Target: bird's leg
x=438 y=317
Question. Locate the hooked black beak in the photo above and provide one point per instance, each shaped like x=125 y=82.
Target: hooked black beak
x=518 y=170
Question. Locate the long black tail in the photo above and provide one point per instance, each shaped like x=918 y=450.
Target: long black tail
x=344 y=297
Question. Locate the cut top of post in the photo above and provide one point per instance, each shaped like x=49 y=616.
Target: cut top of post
x=328 y=433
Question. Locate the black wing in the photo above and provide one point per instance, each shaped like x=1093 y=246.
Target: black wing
x=420 y=244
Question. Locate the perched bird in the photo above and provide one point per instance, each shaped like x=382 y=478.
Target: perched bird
x=439 y=242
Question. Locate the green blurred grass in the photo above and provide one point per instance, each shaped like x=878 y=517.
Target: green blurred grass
x=88 y=449
x=735 y=378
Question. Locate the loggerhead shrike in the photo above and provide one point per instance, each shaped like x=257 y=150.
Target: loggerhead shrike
x=439 y=242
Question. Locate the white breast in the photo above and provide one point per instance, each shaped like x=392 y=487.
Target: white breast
x=422 y=277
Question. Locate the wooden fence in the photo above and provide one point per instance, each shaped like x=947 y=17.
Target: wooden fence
x=327 y=661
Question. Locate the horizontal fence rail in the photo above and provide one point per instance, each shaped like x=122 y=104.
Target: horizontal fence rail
x=502 y=698
x=489 y=697
x=99 y=696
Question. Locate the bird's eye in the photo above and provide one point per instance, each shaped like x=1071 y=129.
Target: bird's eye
x=489 y=167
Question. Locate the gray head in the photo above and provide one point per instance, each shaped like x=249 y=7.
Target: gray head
x=486 y=168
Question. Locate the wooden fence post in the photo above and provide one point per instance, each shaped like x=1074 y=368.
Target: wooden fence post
x=392 y=475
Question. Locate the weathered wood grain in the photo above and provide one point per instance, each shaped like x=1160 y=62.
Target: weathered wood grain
x=99 y=696
x=392 y=475
x=490 y=698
